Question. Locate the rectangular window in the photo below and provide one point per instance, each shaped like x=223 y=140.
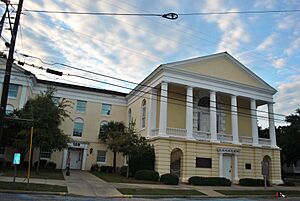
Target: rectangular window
x=81 y=106
x=248 y=166
x=101 y=156
x=203 y=162
x=45 y=154
x=106 y=109
x=13 y=90
x=78 y=128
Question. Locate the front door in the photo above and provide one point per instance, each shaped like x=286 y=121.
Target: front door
x=75 y=159
x=227 y=167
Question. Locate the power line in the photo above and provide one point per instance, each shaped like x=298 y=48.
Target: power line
x=144 y=92
x=130 y=82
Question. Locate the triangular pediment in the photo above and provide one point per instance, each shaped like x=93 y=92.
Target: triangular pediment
x=221 y=66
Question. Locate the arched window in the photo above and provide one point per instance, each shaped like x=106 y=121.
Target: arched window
x=204 y=102
x=78 y=127
x=129 y=116
x=9 y=109
x=143 y=119
x=101 y=124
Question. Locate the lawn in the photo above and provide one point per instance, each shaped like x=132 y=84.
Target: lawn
x=156 y=191
x=258 y=192
x=116 y=178
x=32 y=187
x=43 y=174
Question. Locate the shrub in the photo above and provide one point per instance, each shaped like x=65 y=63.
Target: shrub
x=95 y=167
x=25 y=164
x=170 y=179
x=149 y=175
x=289 y=183
x=252 y=182
x=106 y=169
x=51 y=165
x=142 y=158
x=43 y=163
x=209 y=181
x=123 y=171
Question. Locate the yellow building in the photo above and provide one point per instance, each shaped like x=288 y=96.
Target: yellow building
x=200 y=114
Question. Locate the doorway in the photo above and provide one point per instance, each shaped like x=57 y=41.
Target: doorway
x=75 y=158
x=176 y=160
x=227 y=167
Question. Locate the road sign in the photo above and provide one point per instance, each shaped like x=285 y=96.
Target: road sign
x=17 y=159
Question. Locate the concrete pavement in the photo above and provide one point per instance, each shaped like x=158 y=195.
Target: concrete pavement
x=85 y=184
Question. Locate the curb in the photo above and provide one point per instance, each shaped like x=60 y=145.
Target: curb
x=34 y=192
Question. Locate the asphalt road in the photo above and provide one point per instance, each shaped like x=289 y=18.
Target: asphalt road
x=36 y=197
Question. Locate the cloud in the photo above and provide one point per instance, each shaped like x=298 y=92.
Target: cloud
x=293 y=47
x=264 y=4
x=269 y=41
x=278 y=63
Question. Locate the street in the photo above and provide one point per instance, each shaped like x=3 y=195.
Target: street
x=36 y=197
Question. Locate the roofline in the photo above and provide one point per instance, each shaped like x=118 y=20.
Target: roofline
x=78 y=87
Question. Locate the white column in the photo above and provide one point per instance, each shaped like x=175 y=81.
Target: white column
x=236 y=168
x=254 y=122
x=65 y=158
x=221 y=164
x=152 y=112
x=84 y=156
x=234 y=120
x=213 y=116
x=23 y=98
x=272 y=125
x=163 y=114
x=189 y=113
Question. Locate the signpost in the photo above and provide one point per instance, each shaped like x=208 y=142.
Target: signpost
x=16 y=162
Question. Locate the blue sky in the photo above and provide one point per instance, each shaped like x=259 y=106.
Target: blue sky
x=132 y=47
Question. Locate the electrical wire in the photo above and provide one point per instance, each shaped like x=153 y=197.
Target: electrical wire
x=144 y=92
x=130 y=82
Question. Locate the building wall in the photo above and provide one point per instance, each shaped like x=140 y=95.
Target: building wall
x=193 y=149
x=244 y=117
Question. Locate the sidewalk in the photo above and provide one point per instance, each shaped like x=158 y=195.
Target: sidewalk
x=85 y=184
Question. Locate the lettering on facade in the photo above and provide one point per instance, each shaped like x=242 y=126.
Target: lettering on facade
x=228 y=150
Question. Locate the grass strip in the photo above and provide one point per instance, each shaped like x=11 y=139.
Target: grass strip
x=115 y=178
x=32 y=187
x=42 y=174
x=258 y=192
x=156 y=191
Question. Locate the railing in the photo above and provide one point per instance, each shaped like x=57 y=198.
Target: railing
x=246 y=140
x=177 y=132
x=264 y=141
x=154 y=132
x=224 y=137
x=202 y=135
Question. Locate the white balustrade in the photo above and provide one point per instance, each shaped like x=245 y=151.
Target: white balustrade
x=246 y=140
x=264 y=141
x=177 y=132
x=224 y=137
x=202 y=135
x=154 y=132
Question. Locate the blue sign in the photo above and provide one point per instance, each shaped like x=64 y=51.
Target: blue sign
x=17 y=159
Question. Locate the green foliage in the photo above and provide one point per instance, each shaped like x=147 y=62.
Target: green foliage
x=169 y=179
x=106 y=169
x=95 y=167
x=209 y=181
x=123 y=171
x=148 y=175
x=288 y=138
x=252 y=182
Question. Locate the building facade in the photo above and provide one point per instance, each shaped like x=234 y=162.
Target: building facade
x=200 y=114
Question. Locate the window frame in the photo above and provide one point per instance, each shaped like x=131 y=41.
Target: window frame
x=14 y=91
x=143 y=114
x=106 y=113
x=97 y=157
x=78 y=121
x=79 y=107
x=48 y=154
x=203 y=160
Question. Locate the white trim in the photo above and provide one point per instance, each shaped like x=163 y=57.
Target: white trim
x=23 y=98
x=254 y=129
x=234 y=120
x=163 y=114
x=272 y=125
x=189 y=113
x=152 y=112
x=213 y=116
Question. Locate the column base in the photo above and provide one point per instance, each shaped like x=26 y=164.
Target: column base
x=275 y=147
x=236 y=143
x=162 y=135
x=189 y=137
x=256 y=145
x=236 y=180
x=214 y=140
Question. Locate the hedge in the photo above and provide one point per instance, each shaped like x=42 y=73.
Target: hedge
x=252 y=182
x=209 y=181
x=106 y=169
x=123 y=171
x=169 y=179
x=51 y=165
x=149 y=175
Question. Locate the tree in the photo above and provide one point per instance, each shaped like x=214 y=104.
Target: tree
x=288 y=138
x=111 y=134
x=47 y=117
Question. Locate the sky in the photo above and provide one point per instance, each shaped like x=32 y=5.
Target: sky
x=131 y=47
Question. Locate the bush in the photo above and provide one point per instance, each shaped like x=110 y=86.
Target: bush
x=170 y=179
x=209 y=181
x=142 y=158
x=149 y=175
x=51 y=165
x=25 y=164
x=289 y=183
x=95 y=167
x=106 y=169
x=252 y=182
x=43 y=164
x=123 y=171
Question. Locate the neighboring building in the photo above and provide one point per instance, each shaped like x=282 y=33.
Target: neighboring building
x=200 y=115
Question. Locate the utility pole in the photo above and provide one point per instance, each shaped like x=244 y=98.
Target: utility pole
x=9 y=63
